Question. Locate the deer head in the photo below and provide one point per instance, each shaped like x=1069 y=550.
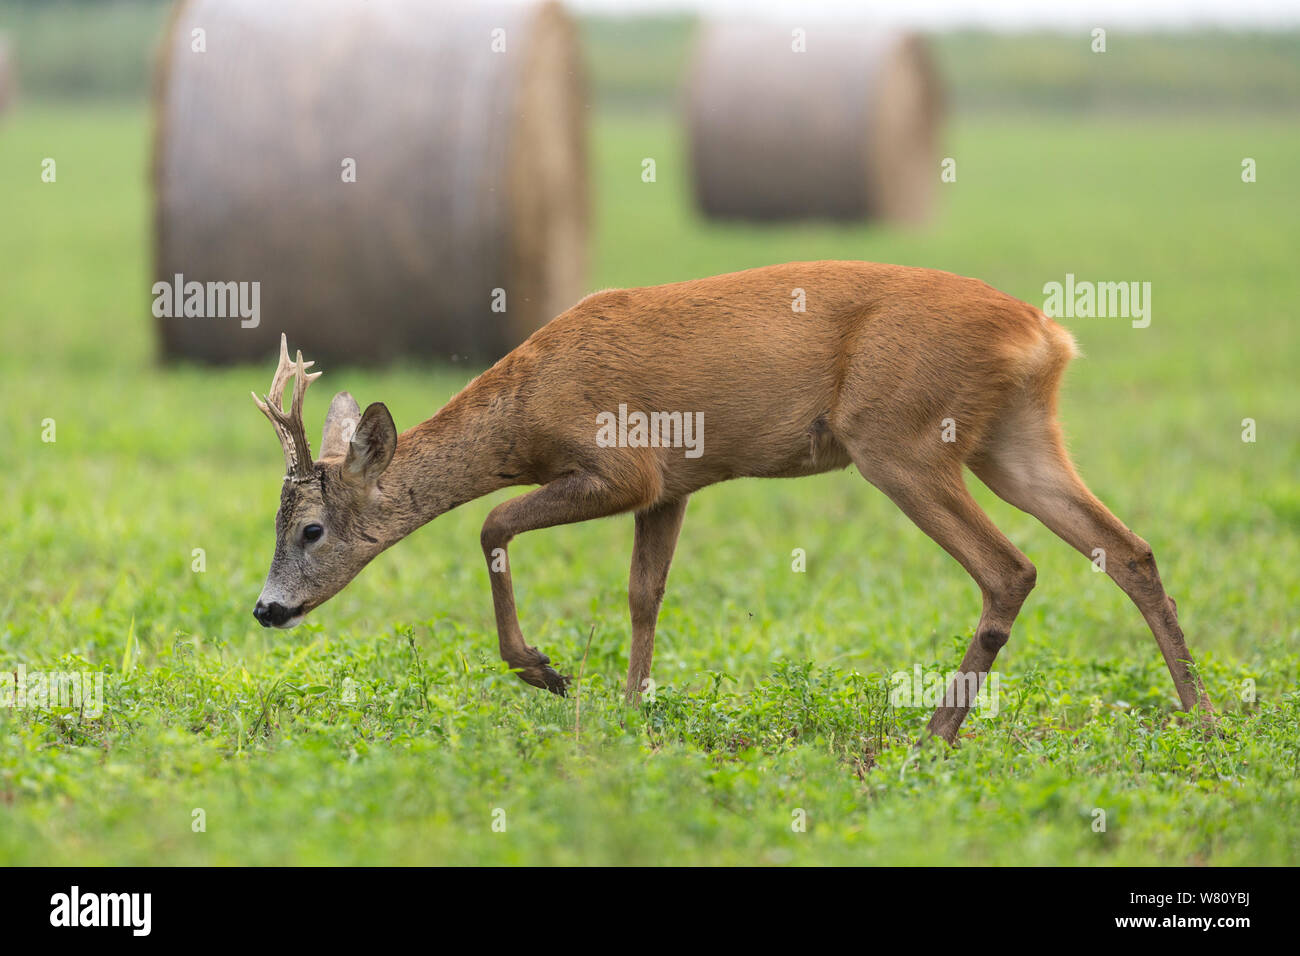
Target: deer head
x=326 y=507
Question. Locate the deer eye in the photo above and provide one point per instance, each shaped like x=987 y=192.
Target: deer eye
x=312 y=532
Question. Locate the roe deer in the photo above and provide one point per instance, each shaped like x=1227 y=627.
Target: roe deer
x=870 y=373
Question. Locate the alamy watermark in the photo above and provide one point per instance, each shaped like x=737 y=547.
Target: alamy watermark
x=930 y=689
x=1073 y=299
x=130 y=910
x=651 y=430
x=208 y=300
x=42 y=690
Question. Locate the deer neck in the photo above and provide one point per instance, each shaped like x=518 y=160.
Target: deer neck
x=463 y=452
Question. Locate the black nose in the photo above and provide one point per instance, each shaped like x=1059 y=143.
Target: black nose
x=271 y=615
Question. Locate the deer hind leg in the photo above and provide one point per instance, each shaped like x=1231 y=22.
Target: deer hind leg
x=934 y=496
x=575 y=497
x=1024 y=462
x=657 y=528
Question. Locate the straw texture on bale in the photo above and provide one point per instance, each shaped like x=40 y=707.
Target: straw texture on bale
x=846 y=129
x=470 y=174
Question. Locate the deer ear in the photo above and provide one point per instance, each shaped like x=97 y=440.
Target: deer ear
x=340 y=425
x=372 y=446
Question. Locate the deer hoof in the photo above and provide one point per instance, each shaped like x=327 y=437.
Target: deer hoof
x=554 y=681
x=541 y=674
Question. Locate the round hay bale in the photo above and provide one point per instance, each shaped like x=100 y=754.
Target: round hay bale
x=845 y=129
x=466 y=125
x=8 y=75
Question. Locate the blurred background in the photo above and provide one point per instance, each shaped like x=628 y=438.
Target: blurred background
x=622 y=144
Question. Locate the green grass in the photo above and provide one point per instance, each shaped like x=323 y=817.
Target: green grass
x=772 y=684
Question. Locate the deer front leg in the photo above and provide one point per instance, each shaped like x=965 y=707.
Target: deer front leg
x=575 y=497
x=652 y=552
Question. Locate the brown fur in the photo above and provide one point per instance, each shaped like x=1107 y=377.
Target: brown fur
x=867 y=375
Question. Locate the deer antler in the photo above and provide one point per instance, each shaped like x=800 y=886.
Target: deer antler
x=289 y=427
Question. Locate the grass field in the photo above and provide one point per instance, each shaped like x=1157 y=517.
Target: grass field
x=772 y=684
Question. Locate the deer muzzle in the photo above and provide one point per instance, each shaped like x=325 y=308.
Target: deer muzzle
x=275 y=614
